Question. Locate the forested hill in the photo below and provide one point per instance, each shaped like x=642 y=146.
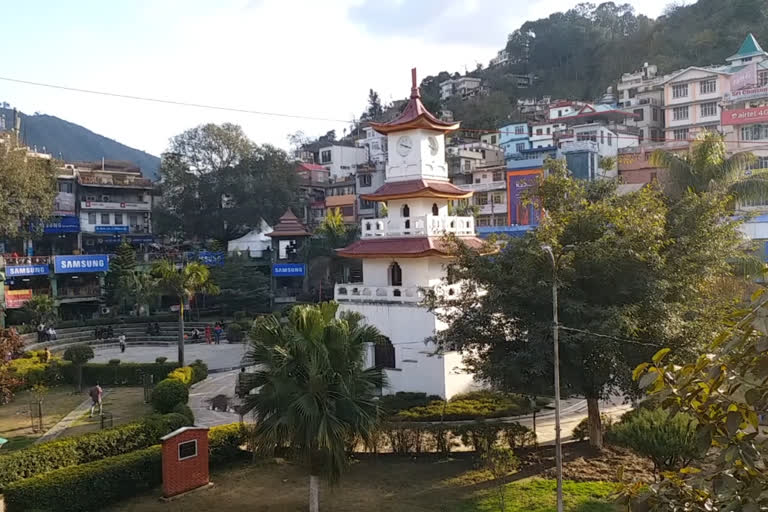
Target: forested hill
x=72 y=142
x=578 y=53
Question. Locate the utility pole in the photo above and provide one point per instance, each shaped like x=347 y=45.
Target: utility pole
x=555 y=336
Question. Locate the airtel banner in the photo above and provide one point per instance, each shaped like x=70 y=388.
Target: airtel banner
x=744 y=116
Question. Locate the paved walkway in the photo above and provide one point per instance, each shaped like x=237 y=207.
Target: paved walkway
x=216 y=384
x=75 y=414
x=216 y=357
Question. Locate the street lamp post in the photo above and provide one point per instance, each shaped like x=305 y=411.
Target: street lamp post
x=555 y=336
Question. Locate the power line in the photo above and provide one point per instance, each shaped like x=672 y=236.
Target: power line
x=174 y=102
x=626 y=340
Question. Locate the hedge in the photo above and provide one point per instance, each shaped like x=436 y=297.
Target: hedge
x=98 y=484
x=168 y=394
x=46 y=457
x=124 y=374
x=469 y=406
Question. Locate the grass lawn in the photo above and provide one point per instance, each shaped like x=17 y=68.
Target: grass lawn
x=389 y=484
x=15 y=424
x=126 y=405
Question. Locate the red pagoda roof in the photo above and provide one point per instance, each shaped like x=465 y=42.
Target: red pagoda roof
x=415 y=115
x=289 y=225
x=417 y=188
x=410 y=247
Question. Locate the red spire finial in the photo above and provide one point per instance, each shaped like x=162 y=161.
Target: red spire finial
x=415 y=93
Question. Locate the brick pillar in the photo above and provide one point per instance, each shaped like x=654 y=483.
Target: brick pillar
x=183 y=470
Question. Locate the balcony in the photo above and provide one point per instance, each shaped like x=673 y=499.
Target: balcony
x=579 y=145
x=115 y=205
x=78 y=292
x=428 y=225
x=359 y=292
x=24 y=260
x=485 y=187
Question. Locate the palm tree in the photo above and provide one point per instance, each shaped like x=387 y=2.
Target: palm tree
x=183 y=284
x=144 y=288
x=314 y=393
x=706 y=167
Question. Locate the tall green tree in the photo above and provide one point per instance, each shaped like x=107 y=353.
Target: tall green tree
x=244 y=287
x=27 y=188
x=10 y=343
x=331 y=234
x=313 y=393
x=184 y=284
x=119 y=279
x=40 y=308
x=628 y=267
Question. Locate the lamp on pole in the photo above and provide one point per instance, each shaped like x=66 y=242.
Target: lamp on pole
x=555 y=335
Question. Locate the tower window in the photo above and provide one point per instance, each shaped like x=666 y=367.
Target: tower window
x=395 y=274
x=405 y=211
x=435 y=209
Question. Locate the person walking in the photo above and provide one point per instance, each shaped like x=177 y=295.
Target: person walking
x=217 y=333
x=96 y=394
x=121 y=339
x=40 y=332
x=208 y=334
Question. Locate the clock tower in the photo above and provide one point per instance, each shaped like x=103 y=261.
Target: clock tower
x=404 y=255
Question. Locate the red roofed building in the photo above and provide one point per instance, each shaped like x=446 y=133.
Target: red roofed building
x=405 y=253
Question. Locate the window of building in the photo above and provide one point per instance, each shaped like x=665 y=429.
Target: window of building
x=325 y=156
x=493 y=139
x=590 y=135
x=366 y=204
x=91 y=219
x=559 y=113
x=548 y=130
x=482 y=221
x=347 y=211
x=498 y=197
x=395 y=274
x=754 y=132
x=610 y=137
x=118 y=218
x=405 y=211
x=366 y=180
x=762 y=78
x=467 y=165
x=105 y=218
x=655 y=114
x=539 y=131
x=680 y=113
x=481 y=199
x=477 y=179
x=498 y=176
x=520 y=146
x=133 y=220
x=602 y=137
x=707 y=86
x=435 y=209
x=680 y=91
x=708 y=109
x=65 y=186
x=681 y=134
x=638 y=114
x=520 y=130
x=500 y=220
x=760 y=163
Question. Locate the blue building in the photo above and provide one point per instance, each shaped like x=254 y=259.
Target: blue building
x=513 y=139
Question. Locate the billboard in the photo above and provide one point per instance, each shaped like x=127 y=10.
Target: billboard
x=14 y=299
x=745 y=77
x=64 y=204
x=78 y=264
x=26 y=270
x=64 y=224
x=744 y=116
x=519 y=213
x=289 y=269
x=112 y=229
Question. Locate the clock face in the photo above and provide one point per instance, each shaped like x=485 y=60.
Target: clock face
x=433 y=145
x=404 y=145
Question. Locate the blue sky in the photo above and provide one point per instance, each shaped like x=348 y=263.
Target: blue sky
x=300 y=57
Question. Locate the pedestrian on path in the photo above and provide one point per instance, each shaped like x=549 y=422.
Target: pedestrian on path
x=208 y=334
x=121 y=339
x=217 y=333
x=96 y=394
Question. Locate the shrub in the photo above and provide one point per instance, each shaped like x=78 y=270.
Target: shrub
x=235 y=333
x=183 y=375
x=78 y=354
x=668 y=440
x=113 y=362
x=161 y=360
x=185 y=411
x=46 y=457
x=199 y=371
x=469 y=406
x=32 y=369
x=240 y=315
x=124 y=374
x=581 y=431
x=392 y=404
x=167 y=394
x=89 y=486
x=480 y=436
x=224 y=443
x=518 y=436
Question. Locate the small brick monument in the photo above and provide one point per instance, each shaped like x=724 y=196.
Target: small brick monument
x=185 y=461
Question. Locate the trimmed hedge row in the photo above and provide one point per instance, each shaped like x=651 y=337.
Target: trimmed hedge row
x=123 y=374
x=54 y=455
x=95 y=485
x=468 y=406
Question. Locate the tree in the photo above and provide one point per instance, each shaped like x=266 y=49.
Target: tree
x=330 y=235
x=707 y=168
x=40 y=309
x=119 y=279
x=375 y=109
x=243 y=287
x=723 y=389
x=313 y=393
x=78 y=355
x=27 y=188
x=144 y=288
x=628 y=267
x=183 y=284
x=11 y=345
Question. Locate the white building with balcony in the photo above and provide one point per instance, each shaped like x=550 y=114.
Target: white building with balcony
x=342 y=160
x=465 y=86
x=404 y=255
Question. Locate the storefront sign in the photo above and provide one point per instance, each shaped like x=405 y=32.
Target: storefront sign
x=116 y=205
x=210 y=258
x=14 y=299
x=748 y=94
x=112 y=229
x=289 y=269
x=65 y=224
x=81 y=264
x=744 y=116
x=519 y=184
x=26 y=270
x=744 y=78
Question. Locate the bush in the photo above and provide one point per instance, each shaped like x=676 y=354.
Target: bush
x=469 y=406
x=481 y=437
x=392 y=404
x=124 y=374
x=183 y=375
x=32 y=369
x=668 y=440
x=240 y=315
x=46 y=457
x=167 y=394
x=113 y=362
x=235 y=333
x=161 y=360
x=185 y=411
x=78 y=354
x=199 y=371
x=224 y=443
x=581 y=431
x=89 y=486
x=518 y=436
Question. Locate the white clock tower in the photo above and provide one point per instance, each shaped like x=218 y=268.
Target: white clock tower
x=404 y=254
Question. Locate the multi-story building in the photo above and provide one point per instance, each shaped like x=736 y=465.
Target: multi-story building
x=492 y=138
x=313 y=181
x=501 y=58
x=464 y=158
x=513 y=139
x=369 y=178
x=543 y=133
x=341 y=159
x=403 y=254
x=375 y=144
x=464 y=87
x=642 y=94
x=341 y=194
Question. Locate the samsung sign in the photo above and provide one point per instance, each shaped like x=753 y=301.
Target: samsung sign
x=27 y=270
x=81 y=264
x=289 y=269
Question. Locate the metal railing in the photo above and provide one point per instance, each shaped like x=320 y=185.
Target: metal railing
x=427 y=225
x=360 y=292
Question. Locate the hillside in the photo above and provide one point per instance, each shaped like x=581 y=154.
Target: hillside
x=578 y=53
x=71 y=142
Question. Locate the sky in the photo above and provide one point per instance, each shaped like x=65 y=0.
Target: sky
x=306 y=58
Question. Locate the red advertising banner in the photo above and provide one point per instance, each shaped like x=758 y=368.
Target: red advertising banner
x=744 y=116
x=14 y=299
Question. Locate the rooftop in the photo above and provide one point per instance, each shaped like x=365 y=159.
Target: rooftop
x=417 y=188
x=289 y=225
x=749 y=48
x=405 y=247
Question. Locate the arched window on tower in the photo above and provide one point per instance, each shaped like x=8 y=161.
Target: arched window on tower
x=405 y=212
x=435 y=209
x=395 y=275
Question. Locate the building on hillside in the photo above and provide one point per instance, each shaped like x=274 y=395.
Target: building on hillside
x=341 y=159
x=403 y=254
x=492 y=138
x=464 y=158
x=342 y=195
x=369 y=179
x=562 y=108
x=501 y=59
x=313 y=182
x=464 y=87
x=543 y=133
x=375 y=144
x=513 y=139
x=635 y=165
x=642 y=94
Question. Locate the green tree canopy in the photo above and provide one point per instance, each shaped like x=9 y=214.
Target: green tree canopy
x=119 y=280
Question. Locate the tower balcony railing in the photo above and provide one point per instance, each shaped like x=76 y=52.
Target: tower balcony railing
x=428 y=225
x=360 y=292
